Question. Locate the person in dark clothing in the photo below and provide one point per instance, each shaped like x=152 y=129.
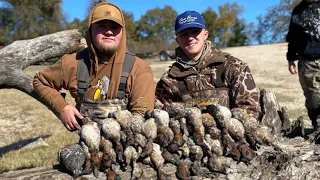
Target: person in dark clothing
x=304 y=45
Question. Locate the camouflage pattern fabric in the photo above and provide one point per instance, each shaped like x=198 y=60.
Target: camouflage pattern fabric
x=309 y=77
x=206 y=97
x=92 y=109
x=218 y=78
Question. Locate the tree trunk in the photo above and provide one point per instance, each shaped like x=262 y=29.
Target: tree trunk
x=17 y=56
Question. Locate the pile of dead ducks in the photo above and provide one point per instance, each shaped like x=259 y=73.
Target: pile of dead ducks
x=192 y=139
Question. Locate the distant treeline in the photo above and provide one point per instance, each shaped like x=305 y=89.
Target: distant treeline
x=154 y=31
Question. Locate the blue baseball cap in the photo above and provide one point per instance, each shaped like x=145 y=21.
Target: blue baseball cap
x=189 y=19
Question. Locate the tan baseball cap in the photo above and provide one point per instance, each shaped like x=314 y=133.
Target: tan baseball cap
x=107 y=11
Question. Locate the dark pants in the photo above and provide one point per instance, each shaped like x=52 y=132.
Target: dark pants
x=313 y=117
x=309 y=77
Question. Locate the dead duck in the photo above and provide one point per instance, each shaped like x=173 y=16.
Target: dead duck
x=175 y=126
x=249 y=123
x=235 y=129
x=208 y=121
x=198 y=138
x=175 y=109
x=169 y=157
x=247 y=154
x=194 y=116
x=87 y=167
x=122 y=117
x=136 y=123
x=156 y=157
x=90 y=136
x=112 y=175
x=149 y=130
x=96 y=158
x=164 y=136
x=108 y=154
x=140 y=141
x=214 y=145
x=131 y=156
x=210 y=126
x=184 y=127
x=264 y=134
x=214 y=132
x=220 y=113
x=182 y=171
x=111 y=131
x=161 y=117
x=185 y=151
x=196 y=128
x=145 y=144
x=196 y=155
x=228 y=144
x=72 y=158
x=215 y=164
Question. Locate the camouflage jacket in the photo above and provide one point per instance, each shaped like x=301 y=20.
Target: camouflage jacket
x=218 y=78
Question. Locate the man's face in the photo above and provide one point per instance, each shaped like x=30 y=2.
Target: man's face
x=192 y=41
x=106 y=36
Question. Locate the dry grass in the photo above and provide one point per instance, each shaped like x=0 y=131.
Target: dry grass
x=22 y=117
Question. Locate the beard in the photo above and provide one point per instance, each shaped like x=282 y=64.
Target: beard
x=106 y=51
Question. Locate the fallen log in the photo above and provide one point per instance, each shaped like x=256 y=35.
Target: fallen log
x=17 y=56
x=299 y=160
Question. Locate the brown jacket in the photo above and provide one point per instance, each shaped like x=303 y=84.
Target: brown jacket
x=140 y=83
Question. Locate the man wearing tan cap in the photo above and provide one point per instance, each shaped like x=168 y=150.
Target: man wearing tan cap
x=112 y=76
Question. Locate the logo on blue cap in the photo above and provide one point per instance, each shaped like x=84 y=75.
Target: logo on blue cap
x=189 y=19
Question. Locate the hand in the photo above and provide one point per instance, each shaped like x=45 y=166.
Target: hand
x=292 y=67
x=68 y=118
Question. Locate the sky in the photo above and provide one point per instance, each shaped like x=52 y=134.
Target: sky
x=252 y=8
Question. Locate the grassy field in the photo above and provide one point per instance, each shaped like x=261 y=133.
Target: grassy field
x=23 y=118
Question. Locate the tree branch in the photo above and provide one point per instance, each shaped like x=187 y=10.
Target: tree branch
x=15 y=57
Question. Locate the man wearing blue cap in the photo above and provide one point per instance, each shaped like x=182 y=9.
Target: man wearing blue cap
x=204 y=75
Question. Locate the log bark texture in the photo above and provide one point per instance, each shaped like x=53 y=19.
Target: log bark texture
x=17 y=56
x=299 y=160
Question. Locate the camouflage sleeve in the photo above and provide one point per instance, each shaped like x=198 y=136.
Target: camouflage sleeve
x=243 y=91
x=165 y=89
